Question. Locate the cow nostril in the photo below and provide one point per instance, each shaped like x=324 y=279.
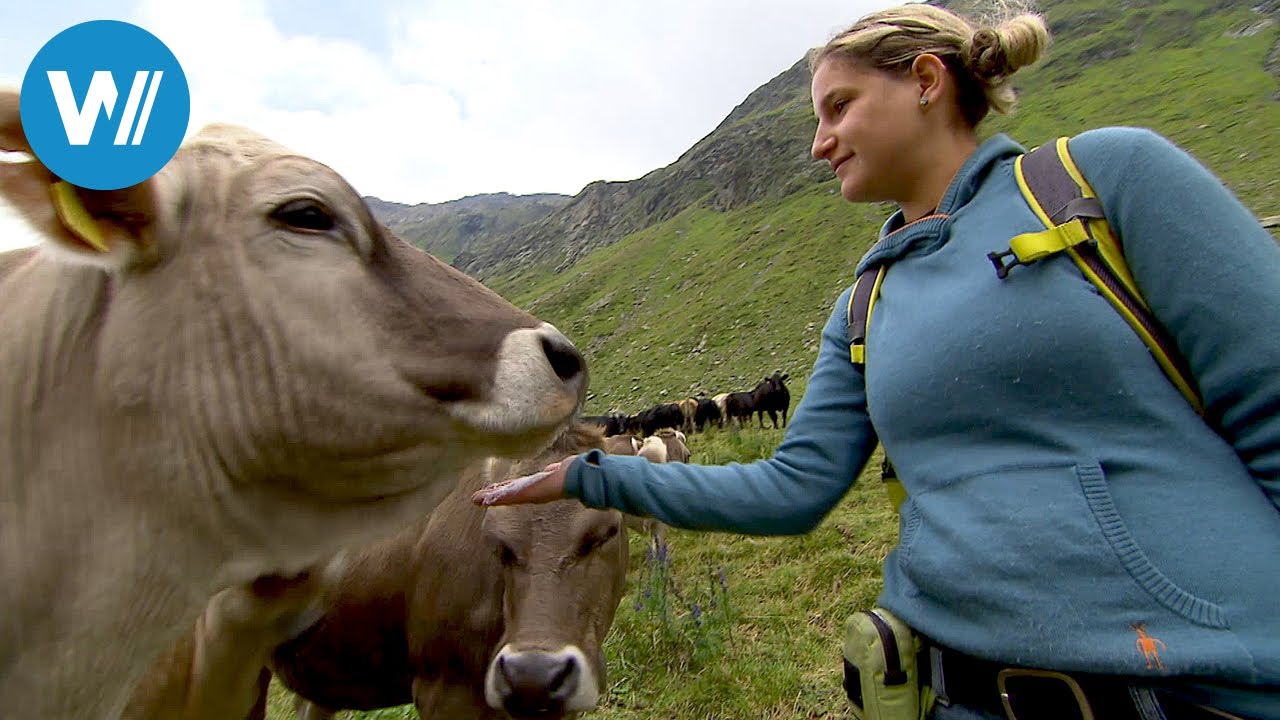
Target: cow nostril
x=564 y=357
x=534 y=684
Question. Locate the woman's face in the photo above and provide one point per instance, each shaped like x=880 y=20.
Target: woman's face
x=869 y=127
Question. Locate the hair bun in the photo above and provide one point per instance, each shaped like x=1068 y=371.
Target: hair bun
x=997 y=52
x=985 y=55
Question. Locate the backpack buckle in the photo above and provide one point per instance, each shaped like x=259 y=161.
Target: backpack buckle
x=1002 y=268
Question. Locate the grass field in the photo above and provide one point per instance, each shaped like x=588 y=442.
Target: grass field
x=765 y=640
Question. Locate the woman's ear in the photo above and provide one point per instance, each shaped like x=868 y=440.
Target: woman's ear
x=930 y=75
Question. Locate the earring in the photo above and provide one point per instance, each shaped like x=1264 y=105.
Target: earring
x=923 y=101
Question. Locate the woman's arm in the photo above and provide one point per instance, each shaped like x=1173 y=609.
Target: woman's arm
x=826 y=445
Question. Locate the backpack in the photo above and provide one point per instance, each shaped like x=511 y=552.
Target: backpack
x=1058 y=194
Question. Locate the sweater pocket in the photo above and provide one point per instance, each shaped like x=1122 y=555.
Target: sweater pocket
x=1093 y=484
x=1031 y=540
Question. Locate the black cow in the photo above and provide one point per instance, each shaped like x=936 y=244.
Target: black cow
x=739 y=406
x=600 y=421
x=617 y=424
x=771 y=396
x=708 y=412
x=660 y=416
x=613 y=423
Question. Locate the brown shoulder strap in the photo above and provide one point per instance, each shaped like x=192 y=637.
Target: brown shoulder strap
x=866 y=288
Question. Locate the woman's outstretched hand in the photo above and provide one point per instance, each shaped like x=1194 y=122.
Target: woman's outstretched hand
x=539 y=487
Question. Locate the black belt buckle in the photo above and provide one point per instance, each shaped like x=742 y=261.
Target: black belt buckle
x=1041 y=694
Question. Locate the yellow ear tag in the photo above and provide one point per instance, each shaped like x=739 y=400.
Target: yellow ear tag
x=76 y=218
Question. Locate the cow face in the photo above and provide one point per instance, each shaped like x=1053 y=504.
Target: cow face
x=564 y=571
x=322 y=380
x=674 y=440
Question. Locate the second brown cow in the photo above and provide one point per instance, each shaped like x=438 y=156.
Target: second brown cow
x=482 y=613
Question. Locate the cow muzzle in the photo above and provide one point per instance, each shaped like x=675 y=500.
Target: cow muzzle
x=540 y=683
x=539 y=382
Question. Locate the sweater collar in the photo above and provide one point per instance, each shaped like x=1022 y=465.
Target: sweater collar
x=898 y=238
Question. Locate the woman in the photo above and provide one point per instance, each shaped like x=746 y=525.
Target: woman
x=1068 y=510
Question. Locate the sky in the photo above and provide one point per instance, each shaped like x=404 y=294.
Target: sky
x=429 y=101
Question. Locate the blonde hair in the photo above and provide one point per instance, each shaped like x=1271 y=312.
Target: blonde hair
x=981 y=56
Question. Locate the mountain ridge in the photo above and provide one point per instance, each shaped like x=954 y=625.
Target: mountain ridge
x=719 y=268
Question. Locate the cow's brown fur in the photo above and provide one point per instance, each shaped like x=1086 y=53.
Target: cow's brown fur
x=688 y=408
x=230 y=390
x=677 y=450
x=419 y=617
x=621 y=444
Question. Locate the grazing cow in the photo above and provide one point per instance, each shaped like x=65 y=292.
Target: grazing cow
x=720 y=400
x=771 y=396
x=739 y=407
x=688 y=408
x=708 y=412
x=666 y=446
x=217 y=670
x=660 y=416
x=622 y=444
x=227 y=371
x=616 y=424
x=484 y=613
x=653 y=449
x=674 y=440
x=630 y=425
x=600 y=421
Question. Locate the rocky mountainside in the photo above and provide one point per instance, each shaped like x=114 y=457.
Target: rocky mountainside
x=446 y=229
x=760 y=150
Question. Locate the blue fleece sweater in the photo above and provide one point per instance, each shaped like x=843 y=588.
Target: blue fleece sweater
x=1065 y=501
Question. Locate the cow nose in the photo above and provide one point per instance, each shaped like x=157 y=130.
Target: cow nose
x=565 y=359
x=535 y=684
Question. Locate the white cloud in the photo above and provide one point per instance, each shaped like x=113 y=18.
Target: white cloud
x=428 y=102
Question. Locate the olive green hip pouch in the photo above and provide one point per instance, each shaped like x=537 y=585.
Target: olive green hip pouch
x=880 y=673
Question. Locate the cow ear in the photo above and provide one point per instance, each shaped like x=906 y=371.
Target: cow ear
x=12 y=138
x=109 y=228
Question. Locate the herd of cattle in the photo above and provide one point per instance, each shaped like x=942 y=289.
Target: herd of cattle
x=241 y=423
x=695 y=414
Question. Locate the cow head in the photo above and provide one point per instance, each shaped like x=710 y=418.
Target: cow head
x=564 y=571
x=257 y=332
x=675 y=443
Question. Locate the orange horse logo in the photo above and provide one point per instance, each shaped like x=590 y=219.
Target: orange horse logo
x=1149 y=647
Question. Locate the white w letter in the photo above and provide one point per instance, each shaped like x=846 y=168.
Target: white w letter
x=79 y=122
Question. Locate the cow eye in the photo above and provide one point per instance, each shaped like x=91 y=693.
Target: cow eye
x=507 y=556
x=594 y=540
x=304 y=214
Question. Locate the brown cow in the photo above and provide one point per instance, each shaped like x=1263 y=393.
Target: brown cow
x=622 y=444
x=689 y=409
x=227 y=371
x=666 y=445
x=484 y=613
x=674 y=440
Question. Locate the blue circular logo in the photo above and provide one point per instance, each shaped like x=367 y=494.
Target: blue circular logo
x=105 y=104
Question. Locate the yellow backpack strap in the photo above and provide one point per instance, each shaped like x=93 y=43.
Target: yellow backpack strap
x=866 y=290
x=1058 y=194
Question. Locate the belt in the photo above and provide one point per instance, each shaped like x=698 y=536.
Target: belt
x=1031 y=694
